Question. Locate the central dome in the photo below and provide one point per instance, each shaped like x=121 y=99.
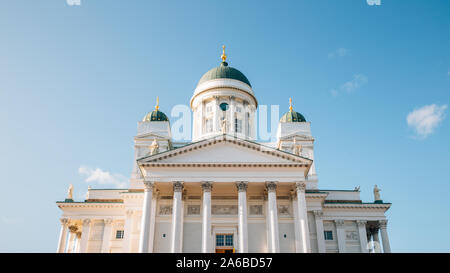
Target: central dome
x=224 y=72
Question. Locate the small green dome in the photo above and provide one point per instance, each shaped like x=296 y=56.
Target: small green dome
x=155 y=115
x=224 y=72
x=292 y=116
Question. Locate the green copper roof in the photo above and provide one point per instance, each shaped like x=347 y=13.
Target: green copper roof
x=224 y=72
x=155 y=115
x=292 y=116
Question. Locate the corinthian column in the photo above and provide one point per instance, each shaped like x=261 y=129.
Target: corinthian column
x=384 y=236
x=272 y=217
x=85 y=236
x=62 y=236
x=340 y=229
x=107 y=234
x=319 y=231
x=243 y=227
x=146 y=216
x=362 y=236
x=177 y=214
x=303 y=217
x=206 y=215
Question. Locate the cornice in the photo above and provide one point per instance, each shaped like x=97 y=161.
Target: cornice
x=299 y=160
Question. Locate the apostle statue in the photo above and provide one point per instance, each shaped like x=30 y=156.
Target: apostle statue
x=376 y=193
x=224 y=126
x=70 y=192
x=154 y=148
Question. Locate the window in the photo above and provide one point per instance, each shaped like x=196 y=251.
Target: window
x=208 y=108
x=328 y=235
x=224 y=240
x=119 y=234
x=237 y=125
x=224 y=106
x=238 y=109
x=208 y=125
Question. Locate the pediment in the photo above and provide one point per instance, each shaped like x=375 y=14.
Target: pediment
x=226 y=149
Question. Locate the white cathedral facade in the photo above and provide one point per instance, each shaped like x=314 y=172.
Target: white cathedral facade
x=224 y=191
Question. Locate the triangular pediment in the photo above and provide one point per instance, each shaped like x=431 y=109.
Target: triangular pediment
x=226 y=149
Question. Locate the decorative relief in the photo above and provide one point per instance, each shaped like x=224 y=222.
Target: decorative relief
x=148 y=185
x=283 y=209
x=242 y=186
x=301 y=186
x=318 y=213
x=271 y=186
x=340 y=223
x=224 y=209
x=256 y=209
x=351 y=236
x=177 y=186
x=207 y=186
x=165 y=210
x=193 y=210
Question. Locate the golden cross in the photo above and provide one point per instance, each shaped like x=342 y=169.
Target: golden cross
x=224 y=57
x=157 y=104
x=290 y=104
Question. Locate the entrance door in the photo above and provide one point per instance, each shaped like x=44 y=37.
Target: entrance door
x=224 y=243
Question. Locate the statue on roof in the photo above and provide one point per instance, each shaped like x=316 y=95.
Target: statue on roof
x=70 y=192
x=376 y=193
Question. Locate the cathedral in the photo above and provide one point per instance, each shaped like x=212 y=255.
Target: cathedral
x=224 y=192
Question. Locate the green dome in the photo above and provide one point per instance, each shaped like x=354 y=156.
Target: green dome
x=292 y=116
x=224 y=72
x=155 y=115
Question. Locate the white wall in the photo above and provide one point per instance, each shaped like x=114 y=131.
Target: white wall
x=287 y=245
x=192 y=237
x=257 y=239
x=162 y=244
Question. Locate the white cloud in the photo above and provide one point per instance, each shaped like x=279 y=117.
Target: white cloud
x=425 y=119
x=340 y=52
x=350 y=86
x=102 y=177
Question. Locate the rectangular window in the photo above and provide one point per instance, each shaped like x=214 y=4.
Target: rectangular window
x=119 y=234
x=237 y=125
x=328 y=235
x=220 y=240
x=224 y=240
x=229 y=240
x=209 y=125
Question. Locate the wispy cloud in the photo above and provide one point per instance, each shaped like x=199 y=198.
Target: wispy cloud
x=340 y=52
x=424 y=120
x=350 y=86
x=102 y=177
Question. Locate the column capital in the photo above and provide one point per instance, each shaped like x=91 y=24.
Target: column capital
x=148 y=186
x=108 y=221
x=177 y=186
x=361 y=222
x=339 y=223
x=318 y=213
x=64 y=221
x=86 y=221
x=271 y=186
x=383 y=224
x=300 y=186
x=242 y=186
x=129 y=212
x=207 y=186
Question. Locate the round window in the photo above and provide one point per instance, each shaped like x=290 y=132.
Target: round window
x=224 y=106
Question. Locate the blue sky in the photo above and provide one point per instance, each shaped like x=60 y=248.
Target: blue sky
x=74 y=81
